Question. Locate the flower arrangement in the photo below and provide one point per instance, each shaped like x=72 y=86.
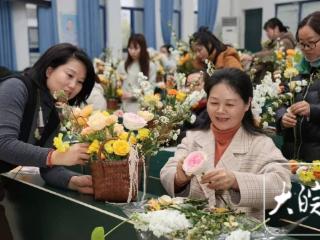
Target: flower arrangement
x=111 y=81
x=125 y=143
x=307 y=173
x=267 y=98
x=169 y=111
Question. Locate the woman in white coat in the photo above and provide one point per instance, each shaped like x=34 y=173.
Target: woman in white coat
x=240 y=156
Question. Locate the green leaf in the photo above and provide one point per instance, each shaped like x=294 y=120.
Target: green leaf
x=97 y=233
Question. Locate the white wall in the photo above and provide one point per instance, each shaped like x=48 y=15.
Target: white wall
x=237 y=8
x=20 y=30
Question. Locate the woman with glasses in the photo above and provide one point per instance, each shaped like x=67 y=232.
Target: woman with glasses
x=303 y=117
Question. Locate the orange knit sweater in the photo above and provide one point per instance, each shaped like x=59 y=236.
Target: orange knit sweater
x=222 y=140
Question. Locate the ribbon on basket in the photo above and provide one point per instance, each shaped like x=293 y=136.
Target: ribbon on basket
x=133 y=162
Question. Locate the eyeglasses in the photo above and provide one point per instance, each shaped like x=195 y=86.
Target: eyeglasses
x=309 y=45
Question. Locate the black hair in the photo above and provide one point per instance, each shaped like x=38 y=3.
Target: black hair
x=273 y=23
x=167 y=47
x=206 y=38
x=312 y=20
x=56 y=56
x=240 y=82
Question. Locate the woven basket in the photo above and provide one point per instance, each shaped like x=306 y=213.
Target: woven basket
x=111 y=180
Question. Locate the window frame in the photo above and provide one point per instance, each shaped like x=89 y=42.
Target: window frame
x=132 y=10
x=299 y=3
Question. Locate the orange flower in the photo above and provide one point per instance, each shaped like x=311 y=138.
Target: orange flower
x=172 y=92
x=184 y=59
x=291 y=52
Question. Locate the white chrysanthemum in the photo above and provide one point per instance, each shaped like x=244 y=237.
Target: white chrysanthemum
x=162 y=223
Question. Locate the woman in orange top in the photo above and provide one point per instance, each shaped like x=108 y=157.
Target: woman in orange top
x=207 y=46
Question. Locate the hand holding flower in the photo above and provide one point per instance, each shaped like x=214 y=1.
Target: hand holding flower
x=82 y=184
x=289 y=120
x=181 y=179
x=301 y=108
x=220 y=179
x=76 y=154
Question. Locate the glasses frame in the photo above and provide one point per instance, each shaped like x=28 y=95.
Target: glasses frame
x=310 y=45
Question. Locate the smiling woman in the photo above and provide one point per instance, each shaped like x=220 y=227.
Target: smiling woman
x=29 y=118
x=240 y=155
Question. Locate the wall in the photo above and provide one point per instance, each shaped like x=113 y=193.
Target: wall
x=238 y=7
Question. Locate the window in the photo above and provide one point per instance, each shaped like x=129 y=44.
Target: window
x=102 y=15
x=33 y=32
x=176 y=19
x=131 y=19
x=292 y=13
x=195 y=15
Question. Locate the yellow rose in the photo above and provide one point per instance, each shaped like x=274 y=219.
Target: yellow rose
x=121 y=148
x=94 y=147
x=109 y=146
x=143 y=133
x=124 y=136
x=181 y=96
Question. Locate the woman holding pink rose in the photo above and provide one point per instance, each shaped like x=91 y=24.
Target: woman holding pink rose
x=240 y=156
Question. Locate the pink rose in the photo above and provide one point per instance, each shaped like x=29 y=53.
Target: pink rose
x=132 y=121
x=118 y=113
x=195 y=163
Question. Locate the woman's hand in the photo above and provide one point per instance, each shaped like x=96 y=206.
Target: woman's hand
x=82 y=184
x=181 y=179
x=301 y=108
x=220 y=179
x=289 y=120
x=76 y=154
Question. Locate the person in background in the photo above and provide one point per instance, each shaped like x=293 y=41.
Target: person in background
x=168 y=60
x=278 y=36
x=138 y=60
x=29 y=119
x=205 y=45
x=239 y=155
x=304 y=114
x=96 y=97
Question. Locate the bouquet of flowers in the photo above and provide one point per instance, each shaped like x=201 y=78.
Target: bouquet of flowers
x=110 y=80
x=171 y=111
x=307 y=173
